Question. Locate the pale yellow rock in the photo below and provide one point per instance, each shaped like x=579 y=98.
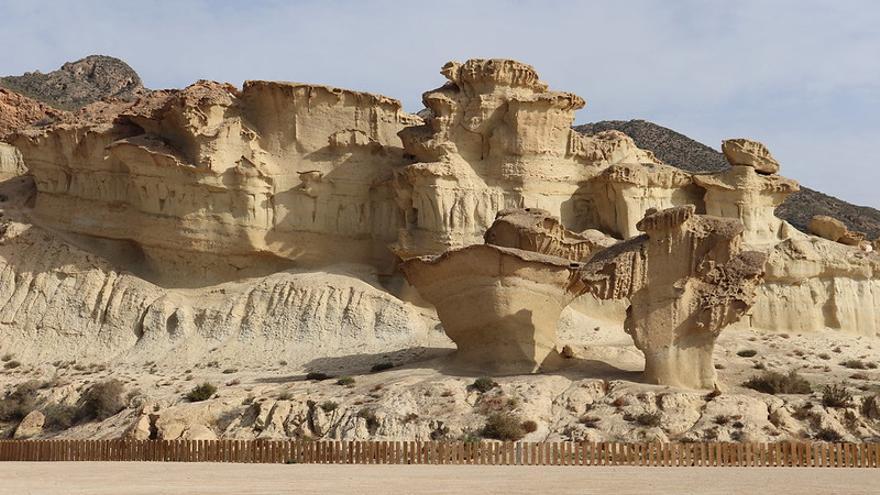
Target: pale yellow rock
x=289 y=170
x=617 y=198
x=11 y=163
x=749 y=153
x=828 y=228
x=494 y=138
x=30 y=426
x=813 y=284
x=535 y=230
x=499 y=305
x=743 y=193
x=687 y=279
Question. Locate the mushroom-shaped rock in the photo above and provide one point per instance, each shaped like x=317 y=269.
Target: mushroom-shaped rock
x=741 y=192
x=536 y=230
x=499 y=305
x=750 y=153
x=687 y=279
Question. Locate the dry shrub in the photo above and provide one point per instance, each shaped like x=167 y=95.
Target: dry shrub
x=503 y=426
x=774 y=383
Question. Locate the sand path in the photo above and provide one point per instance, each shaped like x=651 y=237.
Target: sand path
x=122 y=478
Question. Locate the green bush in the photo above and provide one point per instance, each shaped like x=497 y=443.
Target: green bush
x=854 y=364
x=329 y=406
x=484 y=384
x=382 y=367
x=317 y=376
x=12 y=364
x=828 y=435
x=346 y=381
x=747 y=353
x=774 y=383
x=60 y=417
x=102 y=400
x=836 y=396
x=201 y=392
x=16 y=404
x=370 y=416
x=529 y=426
x=503 y=426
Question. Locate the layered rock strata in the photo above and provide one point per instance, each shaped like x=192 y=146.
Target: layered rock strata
x=495 y=137
x=294 y=171
x=536 y=230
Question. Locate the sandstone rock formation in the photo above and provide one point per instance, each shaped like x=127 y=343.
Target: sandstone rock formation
x=11 y=163
x=294 y=171
x=751 y=154
x=752 y=197
x=689 y=155
x=18 y=112
x=265 y=214
x=495 y=137
x=687 y=279
x=499 y=305
x=617 y=198
x=536 y=230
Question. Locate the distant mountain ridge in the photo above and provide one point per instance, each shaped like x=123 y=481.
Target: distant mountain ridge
x=687 y=154
x=77 y=84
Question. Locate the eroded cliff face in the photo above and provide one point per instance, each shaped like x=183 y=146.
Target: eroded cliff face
x=60 y=302
x=293 y=171
x=209 y=185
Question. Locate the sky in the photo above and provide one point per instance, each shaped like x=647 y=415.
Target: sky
x=801 y=76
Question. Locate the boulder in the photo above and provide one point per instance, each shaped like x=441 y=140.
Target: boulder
x=30 y=426
x=750 y=153
x=834 y=230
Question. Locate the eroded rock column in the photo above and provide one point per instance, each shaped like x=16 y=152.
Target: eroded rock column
x=687 y=279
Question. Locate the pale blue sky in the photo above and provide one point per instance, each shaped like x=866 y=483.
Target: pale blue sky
x=802 y=76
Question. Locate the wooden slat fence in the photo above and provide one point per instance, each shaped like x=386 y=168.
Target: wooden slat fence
x=786 y=454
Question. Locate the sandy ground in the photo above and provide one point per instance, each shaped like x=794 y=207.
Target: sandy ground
x=96 y=478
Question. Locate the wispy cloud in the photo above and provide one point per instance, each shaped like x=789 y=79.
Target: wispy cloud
x=803 y=76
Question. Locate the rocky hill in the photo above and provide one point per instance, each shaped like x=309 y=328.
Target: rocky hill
x=18 y=112
x=79 y=83
x=683 y=152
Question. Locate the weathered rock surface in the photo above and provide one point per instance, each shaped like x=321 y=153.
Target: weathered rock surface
x=294 y=171
x=813 y=284
x=532 y=229
x=499 y=305
x=680 y=151
x=835 y=230
x=687 y=279
x=751 y=154
x=11 y=163
x=741 y=192
x=18 y=112
x=495 y=137
x=30 y=426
